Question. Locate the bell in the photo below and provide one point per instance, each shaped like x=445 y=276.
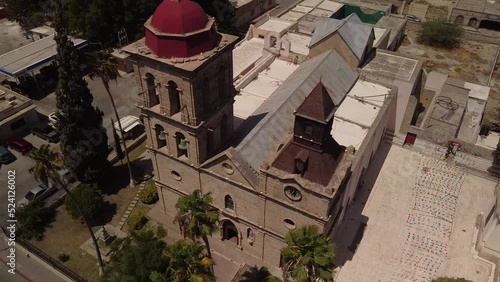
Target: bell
x=162 y=136
x=182 y=145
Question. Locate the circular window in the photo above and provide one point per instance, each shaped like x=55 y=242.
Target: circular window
x=289 y=223
x=228 y=168
x=176 y=175
x=293 y=193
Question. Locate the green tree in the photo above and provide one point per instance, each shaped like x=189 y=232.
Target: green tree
x=261 y=274
x=90 y=200
x=27 y=13
x=84 y=143
x=223 y=12
x=33 y=219
x=186 y=262
x=196 y=217
x=105 y=67
x=136 y=257
x=118 y=146
x=448 y=279
x=308 y=255
x=47 y=163
x=440 y=33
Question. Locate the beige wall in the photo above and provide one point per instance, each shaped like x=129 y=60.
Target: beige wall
x=338 y=44
x=252 y=10
x=30 y=117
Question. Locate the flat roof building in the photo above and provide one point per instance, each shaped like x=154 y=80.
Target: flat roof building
x=17 y=114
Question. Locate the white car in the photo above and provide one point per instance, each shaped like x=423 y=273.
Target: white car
x=412 y=18
x=53 y=119
x=41 y=192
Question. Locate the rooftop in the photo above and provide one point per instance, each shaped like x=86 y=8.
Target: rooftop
x=299 y=43
x=393 y=66
x=392 y=22
x=245 y=54
x=276 y=25
x=330 y=6
x=32 y=56
x=379 y=34
x=270 y=122
x=188 y=64
x=11 y=103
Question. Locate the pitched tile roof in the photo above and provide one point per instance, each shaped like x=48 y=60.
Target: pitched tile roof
x=273 y=119
x=351 y=29
x=318 y=105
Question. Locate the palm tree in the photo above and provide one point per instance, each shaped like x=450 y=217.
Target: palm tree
x=309 y=255
x=196 y=217
x=186 y=262
x=105 y=67
x=47 y=163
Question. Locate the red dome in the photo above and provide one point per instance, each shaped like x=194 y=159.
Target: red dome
x=179 y=17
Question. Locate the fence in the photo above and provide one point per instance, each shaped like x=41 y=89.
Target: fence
x=47 y=259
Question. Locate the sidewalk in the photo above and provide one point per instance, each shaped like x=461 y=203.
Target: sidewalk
x=28 y=269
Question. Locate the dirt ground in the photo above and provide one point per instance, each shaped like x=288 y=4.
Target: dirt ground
x=471 y=62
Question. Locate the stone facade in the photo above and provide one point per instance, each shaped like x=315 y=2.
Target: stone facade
x=473 y=12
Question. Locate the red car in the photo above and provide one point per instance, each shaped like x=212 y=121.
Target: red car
x=20 y=145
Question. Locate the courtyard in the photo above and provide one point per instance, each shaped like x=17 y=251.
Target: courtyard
x=420 y=214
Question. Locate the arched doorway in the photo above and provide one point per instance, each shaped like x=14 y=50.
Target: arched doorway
x=229 y=232
x=472 y=22
x=491 y=25
x=459 y=20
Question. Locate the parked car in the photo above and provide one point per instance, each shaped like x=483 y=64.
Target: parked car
x=20 y=145
x=41 y=192
x=412 y=18
x=53 y=119
x=46 y=132
x=6 y=156
x=66 y=175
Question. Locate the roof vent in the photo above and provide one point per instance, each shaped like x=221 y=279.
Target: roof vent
x=12 y=103
x=11 y=98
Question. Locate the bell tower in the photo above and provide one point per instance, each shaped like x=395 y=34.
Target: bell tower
x=184 y=70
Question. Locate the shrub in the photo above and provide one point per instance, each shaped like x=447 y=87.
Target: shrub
x=149 y=194
x=89 y=199
x=33 y=219
x=63 y=257
x=137 y=219
x=440 y=33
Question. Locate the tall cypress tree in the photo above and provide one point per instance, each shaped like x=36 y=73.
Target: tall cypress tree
x=84 y=143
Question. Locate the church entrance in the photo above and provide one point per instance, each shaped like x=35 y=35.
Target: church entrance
x=229 y=232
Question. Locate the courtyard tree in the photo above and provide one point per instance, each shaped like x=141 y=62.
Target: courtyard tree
x=261 y=274
x=33 y=219
x=197 y=218
x=27 y=13
x=308 y=255
x=440 y=33
x=223 y=11
x=47 y=163
x=186 y=262
x=84 y=143
x=134 y=258
x=90 y=200
x=105 y=67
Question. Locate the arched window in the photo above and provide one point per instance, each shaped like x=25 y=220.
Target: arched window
x=472 y=22
x=153 y=98
x=181 y=144
x=222 y=88
x=228 y=203
x=309 y=130
x=459 y=20
x=161 y=137
x=174 y=97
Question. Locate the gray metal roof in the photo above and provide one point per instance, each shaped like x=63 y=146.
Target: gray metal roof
x=353 y=31
x=273 y=119
x=34 y=55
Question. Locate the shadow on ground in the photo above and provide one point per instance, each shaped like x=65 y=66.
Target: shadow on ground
x=354 y=224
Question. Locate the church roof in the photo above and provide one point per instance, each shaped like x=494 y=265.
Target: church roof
x=179 y=17
x=273 y=119
x=351 y=29
x=318 y=105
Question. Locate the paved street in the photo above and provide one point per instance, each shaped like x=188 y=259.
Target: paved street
x=11 y=36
